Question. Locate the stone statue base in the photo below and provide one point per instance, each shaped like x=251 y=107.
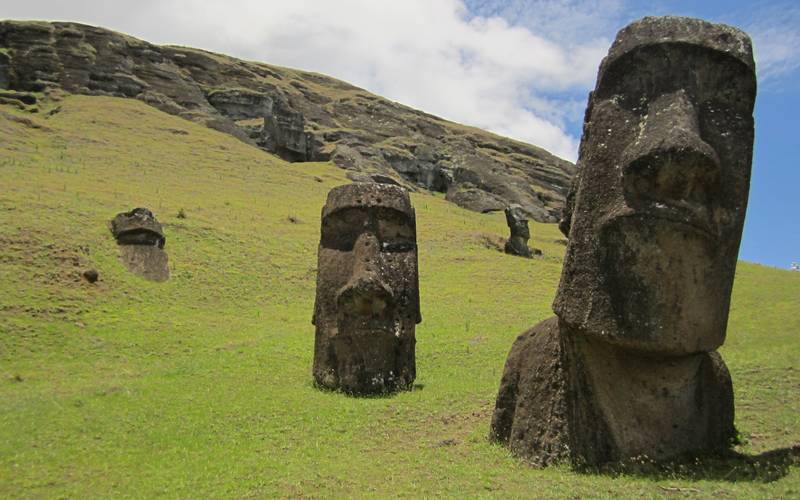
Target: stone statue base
x=566 y=398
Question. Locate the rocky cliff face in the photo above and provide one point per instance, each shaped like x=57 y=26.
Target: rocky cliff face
x=297 y=115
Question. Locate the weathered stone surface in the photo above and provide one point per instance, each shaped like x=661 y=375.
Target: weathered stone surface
x=285 y=133
x=5 y=78
x=379 y=178
x=138 y=227
x=141 y=243
x=654 y=218
x=517 y=243
x=91 y=275
x=298 y=115
x=367 y=302
x=151 y=263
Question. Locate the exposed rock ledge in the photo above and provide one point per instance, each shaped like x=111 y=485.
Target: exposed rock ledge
x=298 y=115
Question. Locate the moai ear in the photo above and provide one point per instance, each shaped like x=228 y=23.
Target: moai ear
x=566 y=213
x=569 y=203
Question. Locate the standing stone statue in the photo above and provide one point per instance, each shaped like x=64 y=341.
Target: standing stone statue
x=629 y=367
x=517 y=243
x=367 y=302
x=141 y=241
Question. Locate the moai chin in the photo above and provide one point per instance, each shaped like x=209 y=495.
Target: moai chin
x=628 y=367
x=517 y=243
x=367 y=302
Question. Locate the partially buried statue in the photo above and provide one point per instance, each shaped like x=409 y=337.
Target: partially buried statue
x=628 y=367
x=141 y=241
x=367 y=302
x=517 y=243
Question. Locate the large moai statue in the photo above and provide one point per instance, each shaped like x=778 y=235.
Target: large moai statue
x=628 y=367
x=367 y=302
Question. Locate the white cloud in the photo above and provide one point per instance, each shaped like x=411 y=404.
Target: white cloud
x=429 y=54
x=568 y=22
x=776 y=41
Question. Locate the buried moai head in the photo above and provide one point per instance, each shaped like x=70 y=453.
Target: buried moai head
x=367 y=302
x=656 y=212
x=138 y=227
x=141 y=242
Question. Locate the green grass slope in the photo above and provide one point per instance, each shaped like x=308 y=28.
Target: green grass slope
x=201 y=386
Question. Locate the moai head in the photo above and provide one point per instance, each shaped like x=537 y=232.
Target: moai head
x=367 y=302
x=656 y=212
x=138 y=227
x=517 y=221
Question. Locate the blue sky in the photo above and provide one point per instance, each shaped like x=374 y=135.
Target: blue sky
x=520 y=68
x=772 y=227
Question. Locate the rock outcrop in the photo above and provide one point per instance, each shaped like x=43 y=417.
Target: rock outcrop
x=629 y=367
x=297 y=115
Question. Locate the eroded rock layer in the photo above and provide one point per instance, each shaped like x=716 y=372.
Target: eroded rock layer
x=297 y=115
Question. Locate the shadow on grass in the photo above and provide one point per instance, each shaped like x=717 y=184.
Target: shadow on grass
x=377 y=395
x=732 y=466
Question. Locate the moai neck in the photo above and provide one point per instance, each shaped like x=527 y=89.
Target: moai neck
x=659 y=407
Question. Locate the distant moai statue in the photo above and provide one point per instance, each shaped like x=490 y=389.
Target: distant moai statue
x=141 y=241
x=517 y=243
x=628 y=367
x=367 y=302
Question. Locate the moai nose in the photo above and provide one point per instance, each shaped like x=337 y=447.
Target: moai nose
x=366 y=251
x=670 y=161
x=365 y=294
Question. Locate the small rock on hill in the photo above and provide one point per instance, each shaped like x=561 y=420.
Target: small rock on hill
x=297 y=115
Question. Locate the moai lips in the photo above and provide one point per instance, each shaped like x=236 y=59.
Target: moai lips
x=367 y=302
x=628 y=367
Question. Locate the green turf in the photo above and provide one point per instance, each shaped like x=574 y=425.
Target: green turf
x=201 y=386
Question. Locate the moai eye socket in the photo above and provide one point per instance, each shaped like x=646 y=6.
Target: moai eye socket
x=395 y=231
x=341 y=229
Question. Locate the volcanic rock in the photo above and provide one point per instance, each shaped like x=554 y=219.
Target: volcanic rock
x=297 y=115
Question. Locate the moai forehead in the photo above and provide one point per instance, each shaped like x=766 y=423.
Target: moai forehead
x=651 y=31
x=138 y=219
x=655 y=213
x=368 y=195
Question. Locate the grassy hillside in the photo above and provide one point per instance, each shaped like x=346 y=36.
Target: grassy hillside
x=201 y=386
